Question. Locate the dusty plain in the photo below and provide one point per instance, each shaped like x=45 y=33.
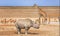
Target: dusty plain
x=44 y=30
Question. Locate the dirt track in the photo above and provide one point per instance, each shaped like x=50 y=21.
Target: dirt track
x=44 y=30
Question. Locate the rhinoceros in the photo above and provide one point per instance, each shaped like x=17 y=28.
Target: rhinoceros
x=25 y=24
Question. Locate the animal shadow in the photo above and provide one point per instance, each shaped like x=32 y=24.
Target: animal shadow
x=28 y=33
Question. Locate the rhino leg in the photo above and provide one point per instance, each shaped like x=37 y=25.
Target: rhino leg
x=26 y=30
x=18 y=30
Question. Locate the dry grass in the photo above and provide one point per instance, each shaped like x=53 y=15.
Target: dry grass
x=44 y=30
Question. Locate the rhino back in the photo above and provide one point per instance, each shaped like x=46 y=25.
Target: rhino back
x=24 y=22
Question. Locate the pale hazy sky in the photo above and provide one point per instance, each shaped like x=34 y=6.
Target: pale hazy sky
x=29 y=2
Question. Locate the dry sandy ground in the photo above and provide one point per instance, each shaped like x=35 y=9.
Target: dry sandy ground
x=44 y=30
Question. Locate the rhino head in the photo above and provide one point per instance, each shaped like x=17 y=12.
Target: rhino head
x=36 y=25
